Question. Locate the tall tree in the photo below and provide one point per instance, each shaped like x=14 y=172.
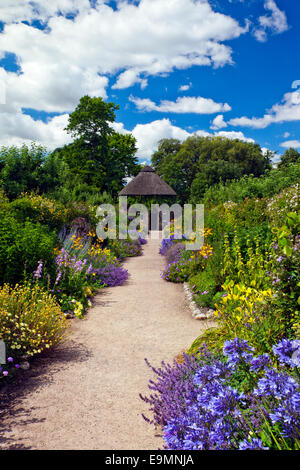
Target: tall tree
x=199 y=162
x=291 y=155
x=28 y=168
x=99 y=156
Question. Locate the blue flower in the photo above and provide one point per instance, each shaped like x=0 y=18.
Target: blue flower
x=276 y=384
x=254 y=444
x=237 y=351
x=259 y=362
x=288 y=352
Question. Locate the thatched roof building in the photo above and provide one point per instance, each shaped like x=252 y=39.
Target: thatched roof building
x=147 y=183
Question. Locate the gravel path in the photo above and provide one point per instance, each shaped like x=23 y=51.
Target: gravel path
x=85 y=395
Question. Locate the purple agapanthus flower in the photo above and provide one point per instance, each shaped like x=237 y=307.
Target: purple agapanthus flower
x=288 y=352
x=237 y=351
x=259 y=362
x=254 y=444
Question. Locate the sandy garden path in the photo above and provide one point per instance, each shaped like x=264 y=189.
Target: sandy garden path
x=86 y=394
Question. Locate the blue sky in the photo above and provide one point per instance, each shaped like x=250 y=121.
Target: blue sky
x=175 y=67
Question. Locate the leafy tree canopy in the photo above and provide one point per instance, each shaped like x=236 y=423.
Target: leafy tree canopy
x=197 y=163
x=291 y=155
x=99 y=156
x=28 y=168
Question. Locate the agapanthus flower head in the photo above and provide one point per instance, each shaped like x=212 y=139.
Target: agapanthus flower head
x=260 y=362
x=288 y=352
x=237 y=351
x=276 y=384
x=254 y=444
x=287 y=415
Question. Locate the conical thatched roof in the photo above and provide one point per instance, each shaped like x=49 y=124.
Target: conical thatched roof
x=147 y=183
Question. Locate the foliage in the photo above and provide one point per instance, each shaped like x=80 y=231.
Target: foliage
x=22 y=245
x=31 y=321
x=203 y=161
x=98 y=156
x=173 y=253
x=249 y=186
x=290 y=156
x=28 y=169
x=285 y=276
x=234 y=400
x=262 y=306
x=39 y=209
x=9 y=368
x=187 y=263
x=126 y=248
x=249 y=269
x=242 y=312
x=279 y=205
x=81 y=268
x=204 y=288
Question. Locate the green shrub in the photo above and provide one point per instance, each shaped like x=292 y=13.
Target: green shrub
x=4 y=202
x=22 y=245
x=204 y=288
x=266 y=185
x=31 y=321
x=39 y=209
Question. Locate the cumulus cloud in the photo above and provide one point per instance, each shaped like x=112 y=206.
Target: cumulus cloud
x=218 y=122
x=286 y=111
x=186 y=104
x=148 y=135
x=76 y=55
x=290 y=144
x=12 y=11
x=18 y=128
x=276 y=21
x=185 y=87
x=234 y=135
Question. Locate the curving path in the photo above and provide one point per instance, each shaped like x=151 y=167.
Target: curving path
x=86 y=394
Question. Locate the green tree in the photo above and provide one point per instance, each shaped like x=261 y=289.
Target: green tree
x=290 y=156
x=200 y=162
x=166 y=148
x=28 y=168
x=99 y=156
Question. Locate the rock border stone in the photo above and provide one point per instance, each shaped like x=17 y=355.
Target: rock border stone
x=197 y=312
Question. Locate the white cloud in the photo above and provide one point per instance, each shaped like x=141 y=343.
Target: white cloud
x=288 y=110
x=148 y=135
x=128 y=79
x=276 y=22
x=290 y=143
x=21 y=10
x=185 y=87
x=286 y=135
x=185 y=104
x=18 y=128
x=73 y=57
x=234 y=135
x=218 y=122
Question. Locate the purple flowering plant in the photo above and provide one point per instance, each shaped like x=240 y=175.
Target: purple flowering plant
x=234 y=400
x=8 y=369
x=83 y=267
